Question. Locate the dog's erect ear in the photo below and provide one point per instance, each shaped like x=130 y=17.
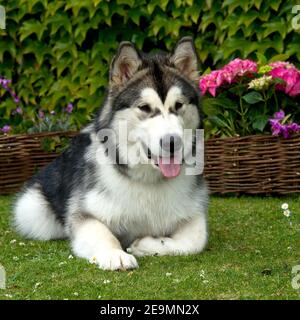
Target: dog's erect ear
x=185 y=58
x=125 y=64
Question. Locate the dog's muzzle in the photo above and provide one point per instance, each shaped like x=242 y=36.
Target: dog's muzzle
x=171 y=143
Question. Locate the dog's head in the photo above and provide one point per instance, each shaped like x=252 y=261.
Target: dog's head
x=156 y=98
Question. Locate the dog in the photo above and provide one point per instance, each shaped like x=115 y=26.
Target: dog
x=115 y=211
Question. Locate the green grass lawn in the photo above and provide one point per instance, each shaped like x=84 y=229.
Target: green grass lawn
x=252 y=249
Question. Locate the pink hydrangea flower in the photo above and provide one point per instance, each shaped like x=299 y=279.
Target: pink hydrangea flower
x=228 y=74
x=281 y=64
x=241 y=67
x=210 y=83
x=296 y=88
x=290 y=74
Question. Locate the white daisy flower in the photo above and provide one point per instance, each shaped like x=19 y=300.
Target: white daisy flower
x=168 y=274
x=13 y=241
x=202 y=273
x=37 y=285
x=287 y=213
x=106 y=281
x=93 y=260
x=284 y=206
x=76 y=294
x=70 y=257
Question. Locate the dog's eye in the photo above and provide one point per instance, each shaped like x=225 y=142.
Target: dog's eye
x=178 y=105
x=145 y=108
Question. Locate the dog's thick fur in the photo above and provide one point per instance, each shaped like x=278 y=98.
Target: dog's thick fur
x=106 y=208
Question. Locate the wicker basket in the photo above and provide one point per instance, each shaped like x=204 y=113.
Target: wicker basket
x=253 y=165
x=21 y=156
x=248 y=165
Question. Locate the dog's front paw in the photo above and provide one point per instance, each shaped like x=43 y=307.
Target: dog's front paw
x=148 y=246
x=115 y=259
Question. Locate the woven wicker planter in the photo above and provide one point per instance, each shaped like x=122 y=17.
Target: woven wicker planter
x=249 y=165
x=253 y=165
x=21 y=156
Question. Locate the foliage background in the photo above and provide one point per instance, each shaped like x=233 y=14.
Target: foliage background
x=57 y=52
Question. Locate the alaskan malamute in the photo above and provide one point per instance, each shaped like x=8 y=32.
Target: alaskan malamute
x=110 y=206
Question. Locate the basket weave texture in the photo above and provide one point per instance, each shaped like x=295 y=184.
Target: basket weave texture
x=21 y=156
x=255 y=164
x=247 y=165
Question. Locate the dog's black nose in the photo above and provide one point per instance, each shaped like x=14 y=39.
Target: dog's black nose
x=171 y=143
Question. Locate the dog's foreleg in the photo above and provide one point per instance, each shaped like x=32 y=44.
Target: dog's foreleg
x=190 y=237
x=92 y=240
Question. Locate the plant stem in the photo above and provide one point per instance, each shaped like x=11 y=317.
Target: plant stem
x=276 y=100
x=243 y=115
x=265 y=101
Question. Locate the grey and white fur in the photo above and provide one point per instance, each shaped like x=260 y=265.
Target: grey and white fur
x=113 y=213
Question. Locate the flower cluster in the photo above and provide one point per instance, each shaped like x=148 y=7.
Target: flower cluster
x=4 y=83
x=289 y=74
x=6 y=128
x=241 y=98
x=42 y=120
x=262 y=83
x=278 y=127
x=238 y=68
x=228 y=74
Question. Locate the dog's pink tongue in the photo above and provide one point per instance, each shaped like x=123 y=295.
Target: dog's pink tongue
x=168 y=168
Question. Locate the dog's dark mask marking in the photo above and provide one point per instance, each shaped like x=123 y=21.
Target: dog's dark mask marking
x=131 y=71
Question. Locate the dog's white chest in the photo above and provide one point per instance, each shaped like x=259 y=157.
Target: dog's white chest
x=155 y=210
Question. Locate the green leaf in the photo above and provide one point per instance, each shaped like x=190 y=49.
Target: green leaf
x=253 y=97
x=276 y=25
x=274 y=4
x=210 y=108
x=262 y=59
x=59 y=20
x=32 y=27
x=129 y=2
x=257 y=3
x=279 y=57
x=260 y=123
x=214 y=106
x=234 y=44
